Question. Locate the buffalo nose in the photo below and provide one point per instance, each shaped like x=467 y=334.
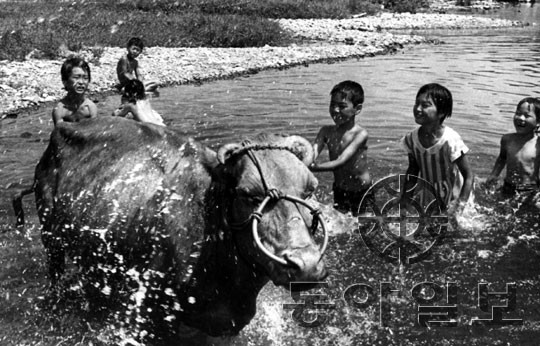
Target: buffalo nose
x=306 y=261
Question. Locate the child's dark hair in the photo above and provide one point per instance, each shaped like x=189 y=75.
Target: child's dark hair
x=351 y=90
x=72 y=62
x=441 y=96
x=535 y=101
x=134 y=90
x=135 y=41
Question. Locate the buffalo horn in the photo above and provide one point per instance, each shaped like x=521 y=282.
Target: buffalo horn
x=301 y=147
x=225 y=151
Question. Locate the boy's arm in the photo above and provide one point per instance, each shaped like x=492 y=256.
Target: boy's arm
x=466 y=171
x=137 y=71
x=536 y=169
x=499 y=164
x=318 y=147
x=57 y=114
x=123 y=110
x=410 y=177
x=92 y=108
x=122 y=69
x=358 y=141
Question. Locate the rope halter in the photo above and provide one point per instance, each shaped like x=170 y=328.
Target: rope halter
x=273 y=194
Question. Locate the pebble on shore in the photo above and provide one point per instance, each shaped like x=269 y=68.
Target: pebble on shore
x=34 y=82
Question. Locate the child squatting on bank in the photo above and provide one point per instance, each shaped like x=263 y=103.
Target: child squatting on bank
x=128 y=66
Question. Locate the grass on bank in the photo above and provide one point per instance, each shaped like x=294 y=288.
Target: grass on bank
x=47 y=25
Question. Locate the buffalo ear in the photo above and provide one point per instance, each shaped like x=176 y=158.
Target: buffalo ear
x=225 y=151
x=209 y=159
x=301 y=147
x=223 y=174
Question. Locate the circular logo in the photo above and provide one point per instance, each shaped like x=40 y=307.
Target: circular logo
x=402 y=226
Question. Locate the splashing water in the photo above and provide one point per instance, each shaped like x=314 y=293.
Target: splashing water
x=474 y=218
x=273 y=318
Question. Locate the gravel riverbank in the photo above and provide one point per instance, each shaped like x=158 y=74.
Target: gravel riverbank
x=34 y=82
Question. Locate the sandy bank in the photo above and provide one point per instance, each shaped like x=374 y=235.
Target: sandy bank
x=34 y=82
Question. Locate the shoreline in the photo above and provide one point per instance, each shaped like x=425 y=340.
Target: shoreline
x=33 y=84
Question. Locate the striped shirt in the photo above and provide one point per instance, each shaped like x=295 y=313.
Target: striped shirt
x=437 y=163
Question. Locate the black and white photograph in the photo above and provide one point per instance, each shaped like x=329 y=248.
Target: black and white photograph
x=269 y=173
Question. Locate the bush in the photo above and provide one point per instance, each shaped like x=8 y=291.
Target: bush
x=237 y=31
x=362 y=6
x=48 y=24
x=196 y=30
x=17 y=45
x=12 y=46
x=279 y=8
x=112 y=26
x=401 y=6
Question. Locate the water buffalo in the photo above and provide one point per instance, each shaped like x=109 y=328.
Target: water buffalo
x=130 y=197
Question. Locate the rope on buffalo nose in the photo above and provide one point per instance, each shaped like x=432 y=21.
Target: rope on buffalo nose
x=274 y=194
x=256 y=215
x=316 y=216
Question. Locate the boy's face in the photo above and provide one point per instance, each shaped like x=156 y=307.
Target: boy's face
x=77 y=82
x=342 y=110
x=134 y=51
x=424 y=110
x=525 y=119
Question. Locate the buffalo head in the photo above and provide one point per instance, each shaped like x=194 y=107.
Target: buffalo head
x=268 y=182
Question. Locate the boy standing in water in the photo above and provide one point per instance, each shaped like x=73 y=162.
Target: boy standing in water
x=437 y=153
x=128 y=67
x=520 y=151
x=347 y=146
x=74 y=106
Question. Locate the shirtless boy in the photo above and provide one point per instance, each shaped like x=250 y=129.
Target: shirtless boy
x=74 y=106
x=520 y=151
x=347 y=146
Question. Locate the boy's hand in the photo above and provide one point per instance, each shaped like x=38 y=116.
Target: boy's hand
x=119 y=112
x=405 y=201
x=490 y=183
x=457 y=207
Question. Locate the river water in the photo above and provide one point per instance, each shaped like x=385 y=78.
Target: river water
x=488 y=72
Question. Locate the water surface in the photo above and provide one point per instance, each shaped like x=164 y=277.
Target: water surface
x=487 y=71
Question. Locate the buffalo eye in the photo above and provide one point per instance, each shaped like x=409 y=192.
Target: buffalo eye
x=310 y=189
x=307 y=194
x=250 y=198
